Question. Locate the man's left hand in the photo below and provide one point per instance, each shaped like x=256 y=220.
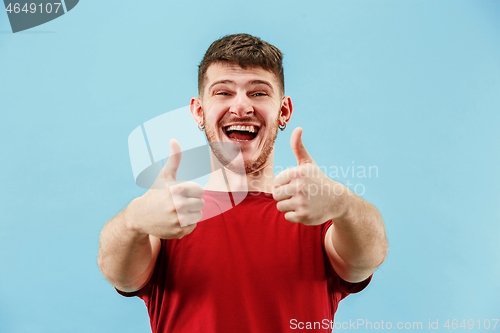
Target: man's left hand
x=304 y=193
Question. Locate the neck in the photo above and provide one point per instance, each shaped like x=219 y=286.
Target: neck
x=226 y=180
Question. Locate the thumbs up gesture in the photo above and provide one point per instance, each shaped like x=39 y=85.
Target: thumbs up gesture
x=171 y=209
x=304 y=193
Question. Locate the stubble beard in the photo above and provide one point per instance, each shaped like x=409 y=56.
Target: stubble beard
x=224 y=157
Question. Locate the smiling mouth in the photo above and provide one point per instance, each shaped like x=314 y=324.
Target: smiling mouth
x=241 y=133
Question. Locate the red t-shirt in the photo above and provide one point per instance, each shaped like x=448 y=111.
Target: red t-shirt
x=244 y=270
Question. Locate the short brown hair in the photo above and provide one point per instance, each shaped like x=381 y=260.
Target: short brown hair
x=246 y=51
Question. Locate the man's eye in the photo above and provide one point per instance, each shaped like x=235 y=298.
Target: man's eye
x=259 y=94
x=223 y=93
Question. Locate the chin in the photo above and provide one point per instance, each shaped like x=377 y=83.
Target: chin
x=249 y=139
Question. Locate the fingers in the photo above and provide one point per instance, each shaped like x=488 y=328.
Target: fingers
x=288 y=175
x=286 y=206
x=298 y=148
x=190 y=218
x=190 y=214
x=188 y=205
x=173 y=161
x=283 y=178
x=289 y=208
x=188 y=202
x=292 y=217
x=189 y=228
x=188 y=209
x=187 y=189
x=284 y=192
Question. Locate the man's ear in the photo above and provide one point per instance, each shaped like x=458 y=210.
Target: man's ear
x=196 y=109
x=286 y=109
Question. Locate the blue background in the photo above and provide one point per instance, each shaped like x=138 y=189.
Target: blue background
x=411 y=87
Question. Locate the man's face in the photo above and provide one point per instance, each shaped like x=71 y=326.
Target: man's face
x=242 y=107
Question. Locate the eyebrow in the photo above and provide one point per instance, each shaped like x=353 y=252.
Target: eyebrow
x=232 y=82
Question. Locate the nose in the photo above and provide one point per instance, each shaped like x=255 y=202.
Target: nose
x=241 y=106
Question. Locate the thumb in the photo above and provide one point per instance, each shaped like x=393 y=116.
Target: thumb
x=298 y=148
x=173 y=161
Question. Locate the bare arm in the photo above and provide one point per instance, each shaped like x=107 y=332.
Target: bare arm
x=130 y=242
x=356 y=242
x=126 y=256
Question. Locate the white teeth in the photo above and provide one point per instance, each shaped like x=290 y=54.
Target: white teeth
x=250 y=129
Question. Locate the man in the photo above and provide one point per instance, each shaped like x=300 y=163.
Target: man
x=275 y=259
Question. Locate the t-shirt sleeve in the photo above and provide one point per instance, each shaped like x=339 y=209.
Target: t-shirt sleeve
x=141 y=293
x=127 y=294
x=336 y=282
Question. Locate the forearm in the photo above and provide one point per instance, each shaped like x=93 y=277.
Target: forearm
x=359 y=235
x=125 y=254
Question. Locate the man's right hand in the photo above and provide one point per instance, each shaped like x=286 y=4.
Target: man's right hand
x=130 y=242
x=171 y=209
